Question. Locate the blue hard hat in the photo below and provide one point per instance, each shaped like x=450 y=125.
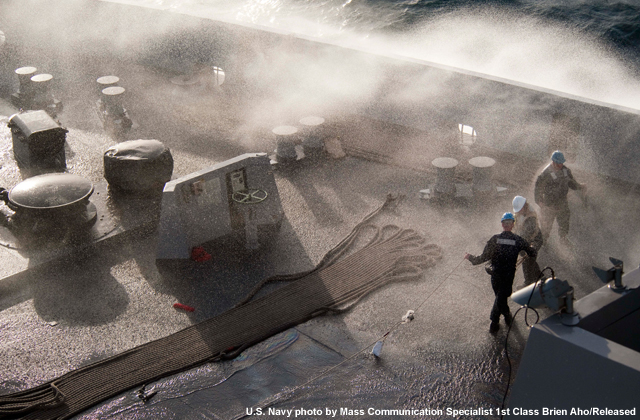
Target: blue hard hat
x=507 y=216
x=557 y=157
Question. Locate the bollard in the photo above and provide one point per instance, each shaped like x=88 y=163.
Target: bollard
x=41 y=83
x=107 y=82
x=286 y=137
x=112 y=98
x=24 y=78
x=445 y=176
x=115 y=117
x=23 y=98
x=313 y=139
x=482 y=174
x=41 y=96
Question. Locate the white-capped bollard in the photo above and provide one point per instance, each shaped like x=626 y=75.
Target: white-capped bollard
x=286 y=137
x=445 y=176
x=112 y=98
x=42 y=98
x=482 y=174
x=114 y=115
x=24 y=78
x=312 y=135
x=107 y=82
x=41 y=84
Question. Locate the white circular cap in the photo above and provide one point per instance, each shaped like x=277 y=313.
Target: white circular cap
x=108 y=80
x=26 y=70
x=113 y=90
x=444 y=162
x=44 y=77
x=482 y=162
x=285 y=130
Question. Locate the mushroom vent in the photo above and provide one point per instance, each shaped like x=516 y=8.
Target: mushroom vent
x=50 y=191
x=50 y=206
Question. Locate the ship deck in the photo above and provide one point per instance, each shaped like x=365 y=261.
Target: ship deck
x=75 y=308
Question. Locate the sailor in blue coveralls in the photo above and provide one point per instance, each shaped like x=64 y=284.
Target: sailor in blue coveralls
x=551 y=189
x=502 y=250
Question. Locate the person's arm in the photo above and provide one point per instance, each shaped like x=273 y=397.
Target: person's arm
x=526 y=247
x=573 y=184
x=486 y=255
x=538 y=192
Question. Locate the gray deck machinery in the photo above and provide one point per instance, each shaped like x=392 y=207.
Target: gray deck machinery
x=237 y=198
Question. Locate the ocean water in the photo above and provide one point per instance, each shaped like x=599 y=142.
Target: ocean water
x=589 y=48
x=614 y=23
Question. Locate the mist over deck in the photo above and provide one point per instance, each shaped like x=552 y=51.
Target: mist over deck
x=393 y=117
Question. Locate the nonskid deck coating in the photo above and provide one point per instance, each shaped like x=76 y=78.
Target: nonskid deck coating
x=80 y=311
x=135 y=301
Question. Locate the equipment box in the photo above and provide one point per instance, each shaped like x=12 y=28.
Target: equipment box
x=38 y=141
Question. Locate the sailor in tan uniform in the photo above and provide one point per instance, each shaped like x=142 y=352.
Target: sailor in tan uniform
x=528 y=228
x=551 y=189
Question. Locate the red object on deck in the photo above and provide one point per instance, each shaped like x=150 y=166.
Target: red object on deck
x=183 y=307
x=198 y=254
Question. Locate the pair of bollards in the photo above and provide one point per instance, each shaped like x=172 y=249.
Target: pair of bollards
x=114 y=115
x=445 y=186
x=310 y=136
x=34 y=91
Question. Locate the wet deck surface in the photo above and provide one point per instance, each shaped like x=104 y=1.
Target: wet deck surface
x=94 y=304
